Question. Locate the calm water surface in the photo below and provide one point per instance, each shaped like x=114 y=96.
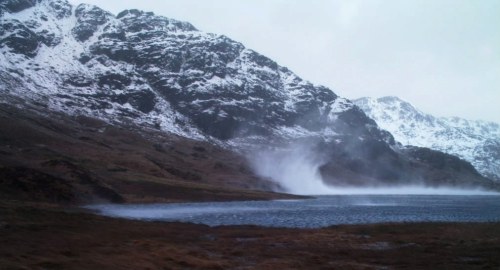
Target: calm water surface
x=319 y=212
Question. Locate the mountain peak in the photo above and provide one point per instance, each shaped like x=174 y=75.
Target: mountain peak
x=389 y=99
x=391 y=108
x=475 y=141
x=143 y=70
x=145 y=21
x=140 y=64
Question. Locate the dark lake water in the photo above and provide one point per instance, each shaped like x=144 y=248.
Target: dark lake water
x=319 y=212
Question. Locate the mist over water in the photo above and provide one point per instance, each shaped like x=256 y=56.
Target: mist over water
x=318 y=212
x=404 y=190
x=296 y=169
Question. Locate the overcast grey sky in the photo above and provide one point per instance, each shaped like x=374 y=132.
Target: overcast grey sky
x=443 y=56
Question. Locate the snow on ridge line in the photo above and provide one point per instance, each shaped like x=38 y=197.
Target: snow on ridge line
x=475 y=141
x=50 y=69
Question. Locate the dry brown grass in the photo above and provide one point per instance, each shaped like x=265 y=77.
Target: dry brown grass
x=47 y=237
x=101 y=162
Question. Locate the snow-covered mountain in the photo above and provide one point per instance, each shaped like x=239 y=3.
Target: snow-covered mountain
x=475 y=141
x=155 y=72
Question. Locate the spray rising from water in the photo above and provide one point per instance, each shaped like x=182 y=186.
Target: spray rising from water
x=296 y=169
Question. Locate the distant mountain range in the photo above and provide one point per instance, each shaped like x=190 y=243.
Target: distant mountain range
x=475 y=141
x=151 y=72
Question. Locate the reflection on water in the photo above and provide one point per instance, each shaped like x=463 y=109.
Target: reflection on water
x=319 y=212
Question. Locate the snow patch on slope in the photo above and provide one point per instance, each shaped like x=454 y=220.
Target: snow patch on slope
x=475 y=141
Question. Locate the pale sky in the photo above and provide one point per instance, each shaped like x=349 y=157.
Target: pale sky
x=443 y=56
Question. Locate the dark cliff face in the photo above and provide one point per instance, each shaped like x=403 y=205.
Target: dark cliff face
x=156 y=72
x=138 y=58
x=14 y=6
x=59 y=8
x=89 y=18
x=224 y=88
x=21 y=37
x=24 y=41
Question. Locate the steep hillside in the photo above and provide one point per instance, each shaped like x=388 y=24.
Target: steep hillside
x=149 y=72
x=64 y=159
x=160 y=72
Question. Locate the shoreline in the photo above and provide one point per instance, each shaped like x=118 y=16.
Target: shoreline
x=317 y=212
x=43 y=236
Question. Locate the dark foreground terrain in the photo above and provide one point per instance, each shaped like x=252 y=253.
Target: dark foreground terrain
x=35 y=236
x=50 y=164
x=78 y=160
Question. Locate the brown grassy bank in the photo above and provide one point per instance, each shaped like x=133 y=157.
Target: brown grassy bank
x=50 y=237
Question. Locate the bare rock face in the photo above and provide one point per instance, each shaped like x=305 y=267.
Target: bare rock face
x=139 y=64
x=19 y=38
x=164 y=74
x=14 y=6
x=89 y=18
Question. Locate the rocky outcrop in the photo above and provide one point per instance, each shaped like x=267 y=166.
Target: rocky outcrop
x=89 y=18
x=14 y=6
x=19 y=38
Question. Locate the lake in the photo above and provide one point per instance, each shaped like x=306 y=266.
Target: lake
x=318 y=212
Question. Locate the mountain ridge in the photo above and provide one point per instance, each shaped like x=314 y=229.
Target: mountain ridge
x=159 y=73
x=476 y=141
x=262 y=71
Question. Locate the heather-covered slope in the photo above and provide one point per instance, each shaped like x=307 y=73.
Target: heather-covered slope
x=73 y=160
